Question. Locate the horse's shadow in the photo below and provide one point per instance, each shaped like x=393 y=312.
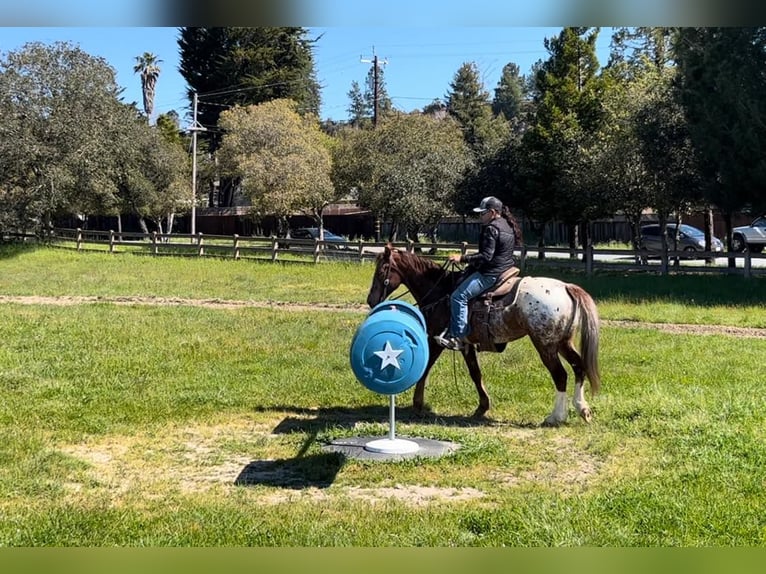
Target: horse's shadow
x=320 y=470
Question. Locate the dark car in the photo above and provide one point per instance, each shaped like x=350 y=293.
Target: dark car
x=313 y=233
x=690 y=239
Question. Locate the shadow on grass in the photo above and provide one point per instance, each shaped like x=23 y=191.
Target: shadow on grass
x=312 y=421
x=317 y=470
x=320 y=470
x=12 y=248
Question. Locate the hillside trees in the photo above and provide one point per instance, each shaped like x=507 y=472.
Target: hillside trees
x=281 y=158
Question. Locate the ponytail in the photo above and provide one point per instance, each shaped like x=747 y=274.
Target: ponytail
x=508 y=216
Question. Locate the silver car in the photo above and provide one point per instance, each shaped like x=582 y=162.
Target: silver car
x=690 y=239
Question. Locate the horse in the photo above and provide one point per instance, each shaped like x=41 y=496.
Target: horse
x=549 y=311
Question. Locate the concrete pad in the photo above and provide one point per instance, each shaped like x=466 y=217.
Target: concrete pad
x=355 y=447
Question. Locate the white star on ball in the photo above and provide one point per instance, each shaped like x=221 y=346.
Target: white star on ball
x=388 y=356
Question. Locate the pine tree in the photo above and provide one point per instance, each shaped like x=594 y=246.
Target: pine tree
x=241 y=66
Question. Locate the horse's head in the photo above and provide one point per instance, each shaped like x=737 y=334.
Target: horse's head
x=386 y=278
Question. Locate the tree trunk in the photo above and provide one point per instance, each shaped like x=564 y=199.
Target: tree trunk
x=171 y=218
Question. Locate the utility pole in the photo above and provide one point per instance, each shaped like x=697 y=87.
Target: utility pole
x=375 y=83
x=195 y=127
x=375 y=96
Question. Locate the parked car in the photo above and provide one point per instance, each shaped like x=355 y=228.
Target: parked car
x=690 y=239
x=313 y=233
x=751 y=237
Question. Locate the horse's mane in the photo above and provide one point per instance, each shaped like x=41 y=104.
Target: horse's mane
x=425 y=269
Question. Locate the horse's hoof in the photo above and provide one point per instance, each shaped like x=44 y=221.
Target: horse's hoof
x=422 y=410
x=479 y=413
x=586 y=415
x=551 y=422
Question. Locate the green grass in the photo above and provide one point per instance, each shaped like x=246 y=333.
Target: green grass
x=130 y=425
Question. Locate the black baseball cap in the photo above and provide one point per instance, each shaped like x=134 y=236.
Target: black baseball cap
x=489 y=202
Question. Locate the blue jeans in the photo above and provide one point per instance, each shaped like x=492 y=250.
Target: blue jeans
x=474 y=284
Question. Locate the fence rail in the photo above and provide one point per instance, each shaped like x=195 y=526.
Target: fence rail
x=315 y=251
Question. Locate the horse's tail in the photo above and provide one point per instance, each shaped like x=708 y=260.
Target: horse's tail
x=589 y=334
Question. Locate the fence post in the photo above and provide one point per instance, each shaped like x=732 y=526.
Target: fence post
x=111 y=241
x=236 y=246
x=588 y=255
x=154 y=243
x=79 y=238
x=274 y=247
x=523 y=258
x=361 y=250
x=748 y=264
x=200 y=244
x=463 y=248
x=410 y=246
x=317 y=247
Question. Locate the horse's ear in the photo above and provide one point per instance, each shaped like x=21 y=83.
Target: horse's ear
x=388 y=249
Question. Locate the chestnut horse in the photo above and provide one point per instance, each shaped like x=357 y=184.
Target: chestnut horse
x=548 y=311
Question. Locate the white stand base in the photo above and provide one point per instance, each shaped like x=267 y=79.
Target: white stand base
x=392 y=446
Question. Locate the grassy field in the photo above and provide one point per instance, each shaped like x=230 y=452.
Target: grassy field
x=151 y=425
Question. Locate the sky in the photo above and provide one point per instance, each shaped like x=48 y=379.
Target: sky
x=418 y=63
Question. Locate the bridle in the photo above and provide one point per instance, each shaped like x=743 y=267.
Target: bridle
x=387 y=281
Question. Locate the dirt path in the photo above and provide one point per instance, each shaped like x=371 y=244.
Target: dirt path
x=749 y=332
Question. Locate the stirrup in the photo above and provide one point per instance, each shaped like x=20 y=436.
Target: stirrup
x=449 y=342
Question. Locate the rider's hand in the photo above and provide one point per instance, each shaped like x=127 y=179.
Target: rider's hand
x=455 y=258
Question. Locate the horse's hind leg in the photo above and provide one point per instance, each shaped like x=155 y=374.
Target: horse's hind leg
x=573 y=358
x=472 y=361
x=550 y=357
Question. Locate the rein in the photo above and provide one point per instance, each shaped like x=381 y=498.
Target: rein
x=435 y=285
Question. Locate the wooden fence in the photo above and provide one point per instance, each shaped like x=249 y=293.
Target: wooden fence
x=314 y=251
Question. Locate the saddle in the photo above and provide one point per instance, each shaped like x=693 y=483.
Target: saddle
x=489 y=302
x=505 y=282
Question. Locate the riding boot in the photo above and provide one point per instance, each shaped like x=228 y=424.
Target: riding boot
x=448 y=341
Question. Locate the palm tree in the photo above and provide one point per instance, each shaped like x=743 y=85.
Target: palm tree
x=148 y=66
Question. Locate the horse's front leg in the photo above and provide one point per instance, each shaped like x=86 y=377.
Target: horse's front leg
x=418 y=404
x=472 y=361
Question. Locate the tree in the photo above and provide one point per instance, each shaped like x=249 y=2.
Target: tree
x=227 y=67
x=243 y=66
x=375 y=93
x=510 y=93
x=151 y=174
x=406 y=170
x=61 y=116
x=558 y=147
x=721 y=82
x=468 y=102
x=637 y=78
x=281 y=157
x=359 y=109
x=148 y=66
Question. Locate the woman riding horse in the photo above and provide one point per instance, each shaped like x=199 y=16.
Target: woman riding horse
x=546 y=310
x=495 y=256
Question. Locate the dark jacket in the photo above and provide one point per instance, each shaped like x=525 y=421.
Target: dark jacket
x=495 y=255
